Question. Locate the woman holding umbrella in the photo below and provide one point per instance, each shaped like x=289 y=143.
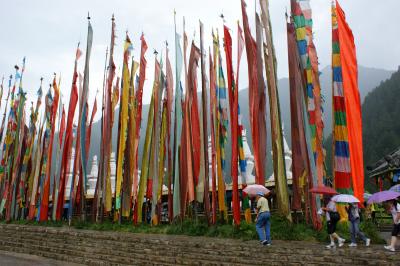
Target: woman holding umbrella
x=394 y=209
x=332 y=218
x=331 y=214
x=263 y=219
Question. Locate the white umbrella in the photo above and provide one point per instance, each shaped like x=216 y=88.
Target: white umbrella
x=345 y=198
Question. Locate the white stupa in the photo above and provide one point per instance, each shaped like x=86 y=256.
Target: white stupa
x=91 y=176
x=248 y=177
x=288 y=164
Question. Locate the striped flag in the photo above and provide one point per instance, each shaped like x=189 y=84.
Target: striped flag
x=221 y=115
x=303 y=30
x=347 y=131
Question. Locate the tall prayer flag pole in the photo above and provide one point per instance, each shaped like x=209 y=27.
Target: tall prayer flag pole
x=178 y=124
x=204 y=133
x=276 y=127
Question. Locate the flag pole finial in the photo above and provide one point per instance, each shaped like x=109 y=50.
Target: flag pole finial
x=88 y=16
x=112 y=18
x=286 y=14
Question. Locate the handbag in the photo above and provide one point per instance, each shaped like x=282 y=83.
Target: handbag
x=335 y=216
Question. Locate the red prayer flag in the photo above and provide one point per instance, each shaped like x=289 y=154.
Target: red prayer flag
x=67 y=142
x=233 y=105
x=46 y=190
x=251 y=51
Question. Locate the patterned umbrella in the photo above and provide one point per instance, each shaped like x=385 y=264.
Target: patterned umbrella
x=383 y=196
x=395 y=188
x=345 y=198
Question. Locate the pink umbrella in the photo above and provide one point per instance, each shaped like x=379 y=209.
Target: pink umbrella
x=323 y=190
x=255 y=189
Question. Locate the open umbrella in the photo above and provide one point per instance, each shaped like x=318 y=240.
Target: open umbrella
x=383 y=196
x=367 y=195
x=395 y=188
x=345 y=198
x=323 y=190
x=254 y=189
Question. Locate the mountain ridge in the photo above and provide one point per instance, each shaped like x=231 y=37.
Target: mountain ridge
x=369 y=78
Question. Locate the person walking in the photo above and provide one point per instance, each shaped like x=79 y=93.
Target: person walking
x=394 y=208
x=354 y=225
x=332 y=218
x=263 y=220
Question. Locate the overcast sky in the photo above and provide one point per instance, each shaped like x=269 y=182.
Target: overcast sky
x=47 y=32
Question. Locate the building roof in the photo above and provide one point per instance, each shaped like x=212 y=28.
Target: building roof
x=389 y=163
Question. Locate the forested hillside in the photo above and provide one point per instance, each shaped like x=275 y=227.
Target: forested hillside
x=381 y=119
x=381 y=122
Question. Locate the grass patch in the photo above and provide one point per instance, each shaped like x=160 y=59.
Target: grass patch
x=281 y=229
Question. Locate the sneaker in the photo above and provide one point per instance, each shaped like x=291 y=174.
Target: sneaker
x=353 y=245
x=390 y=248
x=331 y=245
x=367 y=242
x=341 y=242
x=264 y=243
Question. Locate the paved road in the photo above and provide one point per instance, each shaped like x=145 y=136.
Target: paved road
x=18 y=259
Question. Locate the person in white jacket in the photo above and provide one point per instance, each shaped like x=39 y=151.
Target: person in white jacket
x=394 y=208
x=332 y=218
